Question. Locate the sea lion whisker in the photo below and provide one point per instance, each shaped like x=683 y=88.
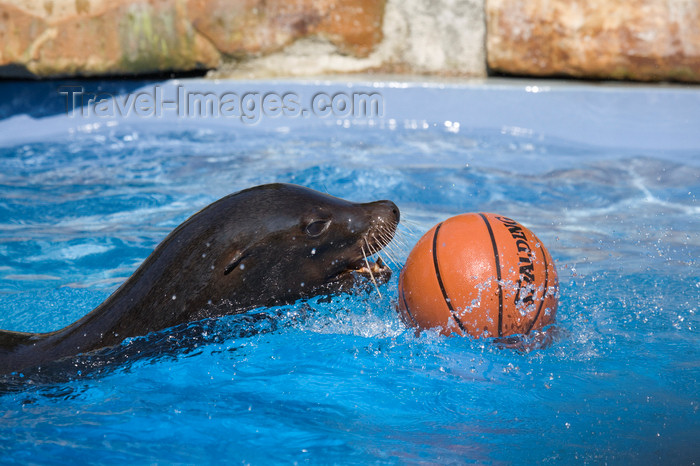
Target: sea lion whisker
x=370 y=249
x=375 y=248
x=391 y=256
x=405 y=231
x=381 y=250
x=387 y=249
x=385 y=262
x=389 y=238
x=399 y=239
x=369 y=269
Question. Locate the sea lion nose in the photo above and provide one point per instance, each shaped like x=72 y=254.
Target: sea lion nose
x=385 y=210
x=394 y=209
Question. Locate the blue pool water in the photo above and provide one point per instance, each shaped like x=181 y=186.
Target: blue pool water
x=607 y=177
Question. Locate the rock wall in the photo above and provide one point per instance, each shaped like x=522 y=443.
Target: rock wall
x=97 y=37
x=646 y=40
x=432 y=37
x=638 y=39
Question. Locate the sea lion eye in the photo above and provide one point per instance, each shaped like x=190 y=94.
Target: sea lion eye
x=317 y=227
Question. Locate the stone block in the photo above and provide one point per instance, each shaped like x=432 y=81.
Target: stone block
x=647 y=40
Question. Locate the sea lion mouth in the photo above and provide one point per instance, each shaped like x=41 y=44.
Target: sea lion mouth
x=363 y=264
x=376 y=271
x=369 y=267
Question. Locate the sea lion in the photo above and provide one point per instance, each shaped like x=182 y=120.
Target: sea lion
x=263 y=246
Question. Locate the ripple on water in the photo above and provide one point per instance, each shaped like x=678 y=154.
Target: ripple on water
x=344 y=379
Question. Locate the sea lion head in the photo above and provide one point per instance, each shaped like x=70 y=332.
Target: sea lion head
x=278 y=243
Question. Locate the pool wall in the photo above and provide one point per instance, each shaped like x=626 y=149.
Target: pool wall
x=636 y=118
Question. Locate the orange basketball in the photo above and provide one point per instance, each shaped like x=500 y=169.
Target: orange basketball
x=481 y=274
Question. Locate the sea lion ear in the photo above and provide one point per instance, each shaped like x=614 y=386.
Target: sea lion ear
x=235 y=261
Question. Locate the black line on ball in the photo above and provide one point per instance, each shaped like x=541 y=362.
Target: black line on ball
x=439 y=279
x=544 y=294
x=498 y=275
x=408 y=310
